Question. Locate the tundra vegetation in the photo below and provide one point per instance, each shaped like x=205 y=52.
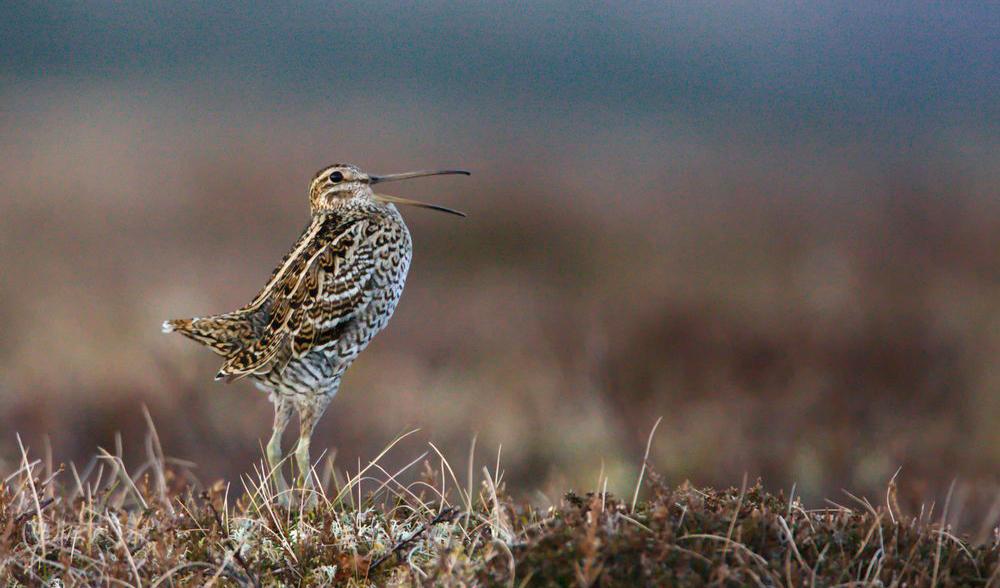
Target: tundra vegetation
x=431 y=523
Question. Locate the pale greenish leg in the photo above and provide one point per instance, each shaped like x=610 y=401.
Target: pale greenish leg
x=302 y=461
x=309 y=415
x=307 y=424
x=282 y=415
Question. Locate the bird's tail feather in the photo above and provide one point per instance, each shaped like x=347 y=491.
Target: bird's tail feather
x=222 y=334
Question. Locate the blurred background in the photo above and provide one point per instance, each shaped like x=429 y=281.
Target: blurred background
x=775 y=225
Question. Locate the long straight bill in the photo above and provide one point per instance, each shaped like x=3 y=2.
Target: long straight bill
x=417 y=174
x=408 y=202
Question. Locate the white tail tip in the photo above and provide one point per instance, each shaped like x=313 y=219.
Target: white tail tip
x=167 y=328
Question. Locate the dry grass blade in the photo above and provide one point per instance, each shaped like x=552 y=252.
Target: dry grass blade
x=352 y=481
x=24 y=516
x=156 y=456
x=27 y=468
x=795 y=548
x=890 y=495
x=122 y=473
x=116 y=527
x=728 y=542
x=736 y=515
x=940 y=538
x=645 y=460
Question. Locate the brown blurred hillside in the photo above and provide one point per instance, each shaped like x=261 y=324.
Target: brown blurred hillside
x=800 y=311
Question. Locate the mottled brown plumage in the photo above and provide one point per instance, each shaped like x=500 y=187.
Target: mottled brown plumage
x=330 y=295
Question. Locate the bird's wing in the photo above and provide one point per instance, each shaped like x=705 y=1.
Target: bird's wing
x=318 y=287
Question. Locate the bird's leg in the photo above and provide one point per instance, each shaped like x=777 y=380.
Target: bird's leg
x=307 y=424
x=309 y=415
x=282 y=414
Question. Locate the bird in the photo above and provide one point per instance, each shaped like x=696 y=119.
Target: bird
x=324 y=303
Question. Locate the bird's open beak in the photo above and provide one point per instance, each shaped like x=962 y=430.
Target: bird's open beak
x=407 y=201
x=416 y=174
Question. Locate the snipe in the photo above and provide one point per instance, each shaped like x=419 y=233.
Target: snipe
x=333 y=292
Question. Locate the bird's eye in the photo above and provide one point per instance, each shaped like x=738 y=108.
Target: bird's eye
x=336 y=176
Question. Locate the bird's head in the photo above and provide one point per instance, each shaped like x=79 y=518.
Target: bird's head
x=342 y=184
